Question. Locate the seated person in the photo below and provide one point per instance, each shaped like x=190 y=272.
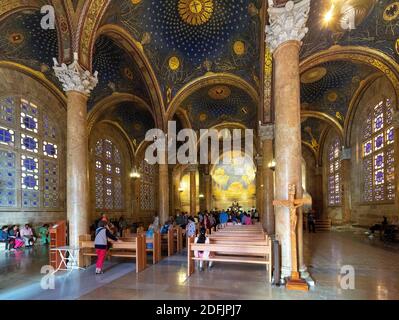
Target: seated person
x=44 y=234
x=165 y=228
x=5 y=239
x=15 y=237
x=247 y=220
x=202 y=238
x=26 y=234
x=149 y=235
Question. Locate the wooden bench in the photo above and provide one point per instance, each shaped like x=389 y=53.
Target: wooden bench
x=156 y=245
x=255 y=252
x=136 y=248
x=173 y=240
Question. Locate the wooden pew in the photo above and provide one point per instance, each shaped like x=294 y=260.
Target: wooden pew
x=256 y=252
x=136 y=248
x=173 y=240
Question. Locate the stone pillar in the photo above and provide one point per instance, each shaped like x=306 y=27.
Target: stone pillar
x=259 y=187
x=395 y=123
x=208 y=190
x=202 y=202
x=193 y=190
x=284 y=35
x=346 y=184
x=163 y=196
x=266 y=134
x=176 y=193
x=318 y=200
x=77 y=83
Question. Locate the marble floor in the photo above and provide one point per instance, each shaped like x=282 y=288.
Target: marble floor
x=376 y=268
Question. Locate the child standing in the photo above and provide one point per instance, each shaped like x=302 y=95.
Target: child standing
x=101 y=244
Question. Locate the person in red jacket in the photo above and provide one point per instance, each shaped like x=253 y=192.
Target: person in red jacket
x=101 y=244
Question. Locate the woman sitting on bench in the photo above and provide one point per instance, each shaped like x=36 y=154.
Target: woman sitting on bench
x=202 y=238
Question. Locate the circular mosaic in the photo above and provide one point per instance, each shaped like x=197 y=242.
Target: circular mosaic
x=203 y=117
x=332 y=96
x=219 y=92
x=174 y=63
x=239 y=48
x=16 y=38
x=313 y=75
x=391 y=11
x=195 y=12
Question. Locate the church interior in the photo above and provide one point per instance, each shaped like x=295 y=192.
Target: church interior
x=82 y=82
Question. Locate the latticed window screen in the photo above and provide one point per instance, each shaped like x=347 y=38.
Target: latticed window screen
x=29 y=162
x=147 y=186
x=108 y=176
x=334 y=173
x=378 y=154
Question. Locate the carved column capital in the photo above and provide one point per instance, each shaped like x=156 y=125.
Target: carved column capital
x=74 y=77
x=266 y=132
x=287 y=23
x=346 y=154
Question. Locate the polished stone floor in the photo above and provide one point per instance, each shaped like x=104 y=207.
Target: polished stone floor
x=376 y=268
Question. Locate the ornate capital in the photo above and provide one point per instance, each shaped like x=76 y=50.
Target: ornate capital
x=346 y=154
x=74 y=77
x=287 y=23
x=266 y=132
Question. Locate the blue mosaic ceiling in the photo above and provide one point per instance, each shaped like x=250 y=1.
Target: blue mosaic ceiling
x=206 y=110
x=377 y=26
x=22 y=40
x=117 y=72
x=312 y=130
x=135 y=120
x=333 y=92
x=180 y=49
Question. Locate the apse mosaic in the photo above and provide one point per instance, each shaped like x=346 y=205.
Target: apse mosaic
x=376 y=26
x=117 y=72
x=220 y=103
x=330 y=86
x=185 y=39
x=22 y=40
x=234 y=182
x=133 y=118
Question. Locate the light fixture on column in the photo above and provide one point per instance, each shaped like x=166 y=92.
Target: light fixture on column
x=135 y=174
x=201 y=196
x=272 y=164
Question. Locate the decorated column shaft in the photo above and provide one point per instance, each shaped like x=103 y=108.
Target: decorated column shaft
x=77 y=83
x=284 y=34
x=163 y=196
x=266 y=134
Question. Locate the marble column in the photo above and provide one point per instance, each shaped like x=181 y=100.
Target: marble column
x=259 y=187
x=163 y=196
x=176 y=193
x=266 y=134
x=208 y=192
x=193 y=190
x=202 y=202
x=346 y=184
x=284 y=34
x=77 y=83
x=318 y=200
x=395 y=123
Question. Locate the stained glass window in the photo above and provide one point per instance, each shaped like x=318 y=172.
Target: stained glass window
x=29 y=165
x=334 y=173
x=108 y=176
x=378 y=154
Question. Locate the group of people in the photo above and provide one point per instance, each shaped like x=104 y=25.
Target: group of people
x=15 y=237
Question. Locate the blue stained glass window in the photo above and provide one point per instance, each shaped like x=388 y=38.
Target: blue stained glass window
x=50 y=149
x=29 y=123
x=30 y=164
x=30 y=182
x=29 y=143
x=380 y=177
x=5 y=136
x=379 y=161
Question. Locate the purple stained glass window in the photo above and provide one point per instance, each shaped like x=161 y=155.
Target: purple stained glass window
x=379 y=123
x=30 y=164
x=368 y=148
x=379 y=177
x=30 y=181
x=50 y=149
x=29 y=123
x=29 y=143
x=5 y=136
x=379 y=161
x=391 y=135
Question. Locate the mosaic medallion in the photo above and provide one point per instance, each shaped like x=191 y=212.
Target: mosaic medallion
x=313 y=75
x=195 y=12
x=391 y=11
x=219 y=92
